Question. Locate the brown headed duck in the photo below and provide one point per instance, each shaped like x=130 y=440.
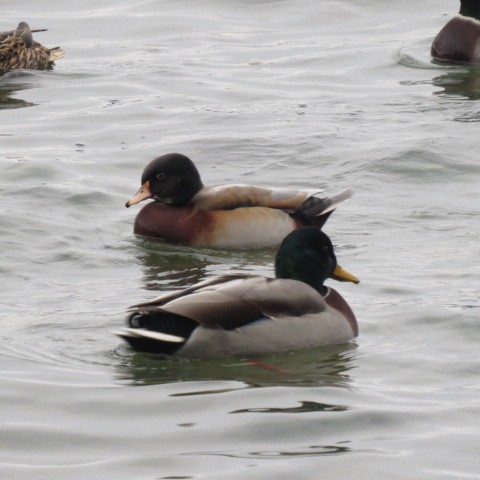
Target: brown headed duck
x=226 y=216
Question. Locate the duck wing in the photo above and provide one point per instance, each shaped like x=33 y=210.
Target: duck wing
x=228 y=197
x=230 y=303
x=4 y=35
x=167 y=297
x=302 y=204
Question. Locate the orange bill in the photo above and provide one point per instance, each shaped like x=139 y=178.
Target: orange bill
x=141 y=195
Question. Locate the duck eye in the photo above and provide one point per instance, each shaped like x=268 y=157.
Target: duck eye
x=161 y=177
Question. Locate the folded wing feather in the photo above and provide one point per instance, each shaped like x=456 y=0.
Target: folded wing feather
x=234 y=303
x=227 y=197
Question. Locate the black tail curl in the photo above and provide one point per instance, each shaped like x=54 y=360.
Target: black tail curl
x=161 y=322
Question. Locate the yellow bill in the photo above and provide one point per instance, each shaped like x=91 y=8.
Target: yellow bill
x=342 y=275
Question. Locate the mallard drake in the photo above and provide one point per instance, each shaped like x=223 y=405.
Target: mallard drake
x=459 y=39
x=19 y=50
x=252 y=315
x=226 y=216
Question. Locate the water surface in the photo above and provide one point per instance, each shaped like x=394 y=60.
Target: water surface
x=280 y=93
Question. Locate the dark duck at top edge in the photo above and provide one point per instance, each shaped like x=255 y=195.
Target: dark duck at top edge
x=459 y=40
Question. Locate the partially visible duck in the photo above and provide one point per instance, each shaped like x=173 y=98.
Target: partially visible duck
x=252 y=315
x=19 y=50
x=226 y=216
x=459 y=39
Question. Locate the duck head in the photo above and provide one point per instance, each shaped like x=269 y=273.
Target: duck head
x=23 y=31
x=171 y=179
x=470 y=8
x=307 y=255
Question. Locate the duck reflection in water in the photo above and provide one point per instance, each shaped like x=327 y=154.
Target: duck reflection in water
x=166 y=266
x=459 y=82
x=321 y=366
x=7 y=101
x=169 y=266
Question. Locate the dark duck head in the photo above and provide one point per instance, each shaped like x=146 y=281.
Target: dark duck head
x=307 y=255
x=171 y=179
x=470 y=8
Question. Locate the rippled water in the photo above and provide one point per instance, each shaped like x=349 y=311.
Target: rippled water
x=281 y=93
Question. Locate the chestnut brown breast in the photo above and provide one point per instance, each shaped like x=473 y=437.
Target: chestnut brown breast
x=336 y=301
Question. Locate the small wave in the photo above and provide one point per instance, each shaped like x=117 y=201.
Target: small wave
x=417 y=55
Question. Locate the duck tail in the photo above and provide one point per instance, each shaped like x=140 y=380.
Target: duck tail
x=315 y=211
x=156 y=331
x=56 y=53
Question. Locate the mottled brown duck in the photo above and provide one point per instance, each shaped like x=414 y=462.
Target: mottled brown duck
x=18 y=50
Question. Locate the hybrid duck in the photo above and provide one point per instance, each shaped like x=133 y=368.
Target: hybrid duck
x=185 y=211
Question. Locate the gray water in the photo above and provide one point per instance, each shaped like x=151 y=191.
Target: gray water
x=329 y=95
